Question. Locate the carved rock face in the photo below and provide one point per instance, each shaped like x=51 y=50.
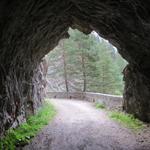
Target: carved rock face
x=136 y=93
x=31 y=28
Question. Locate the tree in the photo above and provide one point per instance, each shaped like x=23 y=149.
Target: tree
x=65 y=67
x=90 y=64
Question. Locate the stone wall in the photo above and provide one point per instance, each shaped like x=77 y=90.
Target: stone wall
x=110 y=101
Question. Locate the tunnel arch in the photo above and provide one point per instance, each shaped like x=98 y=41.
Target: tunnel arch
x=31 y=28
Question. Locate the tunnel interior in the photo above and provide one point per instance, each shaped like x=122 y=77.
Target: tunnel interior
x=32 y=28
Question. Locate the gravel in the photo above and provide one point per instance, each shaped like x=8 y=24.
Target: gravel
x=80 y=126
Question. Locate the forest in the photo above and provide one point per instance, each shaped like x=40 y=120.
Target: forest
x=85 y=63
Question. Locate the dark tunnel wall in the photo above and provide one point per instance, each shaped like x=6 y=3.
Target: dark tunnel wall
x=31 y=28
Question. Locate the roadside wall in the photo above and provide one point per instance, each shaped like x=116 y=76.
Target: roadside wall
x=110 y=101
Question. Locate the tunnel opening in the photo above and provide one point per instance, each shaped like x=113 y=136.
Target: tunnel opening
x=30 y=29
x=85 y=63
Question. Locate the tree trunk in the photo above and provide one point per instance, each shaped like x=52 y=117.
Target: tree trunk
x=65 y=68
x=84 y=71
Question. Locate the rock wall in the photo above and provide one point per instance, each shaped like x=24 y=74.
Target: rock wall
x=29 y=29
x=21 y=96
x=136 y=93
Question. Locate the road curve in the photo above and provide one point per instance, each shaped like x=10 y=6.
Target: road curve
x=80 y=126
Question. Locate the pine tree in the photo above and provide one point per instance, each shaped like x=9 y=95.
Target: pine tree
x=90 y=64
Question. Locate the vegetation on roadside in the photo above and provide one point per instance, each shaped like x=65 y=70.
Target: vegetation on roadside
x=100 y=106
x=127 y=120
x=23 y=134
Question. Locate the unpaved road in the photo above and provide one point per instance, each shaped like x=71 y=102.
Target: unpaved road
x=80 y=126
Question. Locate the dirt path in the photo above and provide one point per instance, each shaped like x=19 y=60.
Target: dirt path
x=79 y=126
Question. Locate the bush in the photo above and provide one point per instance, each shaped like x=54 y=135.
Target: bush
x=99 y=105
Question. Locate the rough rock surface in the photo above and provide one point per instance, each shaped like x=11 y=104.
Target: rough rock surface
x=31 y=28
x=23 y=96
x=136 y=93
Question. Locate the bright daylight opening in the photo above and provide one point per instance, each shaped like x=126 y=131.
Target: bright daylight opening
x=85 y=63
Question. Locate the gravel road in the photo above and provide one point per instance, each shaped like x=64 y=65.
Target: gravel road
x=80 y=126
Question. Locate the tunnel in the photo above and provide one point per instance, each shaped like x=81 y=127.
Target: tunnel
x=32 y=28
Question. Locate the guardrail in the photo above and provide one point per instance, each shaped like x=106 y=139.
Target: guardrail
x=110 y=101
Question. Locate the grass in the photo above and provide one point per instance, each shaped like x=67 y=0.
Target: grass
x=100 y=106
x=127 y=120
x=23 y=134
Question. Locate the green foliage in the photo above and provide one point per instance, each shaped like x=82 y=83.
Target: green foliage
x=100 y=106
x=23 y=134
x=127 y=120
x=102 y=67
